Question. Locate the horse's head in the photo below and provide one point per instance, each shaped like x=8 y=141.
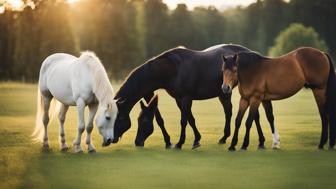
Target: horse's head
x=107 y=113
x=230 y=73
x=123 y=121
x=145 y=121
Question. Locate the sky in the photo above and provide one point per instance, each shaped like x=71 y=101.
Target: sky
x=220 y=4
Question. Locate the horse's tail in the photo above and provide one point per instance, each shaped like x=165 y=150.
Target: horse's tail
x=53 y=110
x=331 y=99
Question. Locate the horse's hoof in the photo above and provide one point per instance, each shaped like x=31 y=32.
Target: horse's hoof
x=222 y=141
x=64 y=149
x=139 y=144
x=169 y=146
x=77 y=149
x=232 y=149
x=276 y=147
x=196 y=146
x=92 y=151
x=45 y=148
x=178 y=147
x=331 y=148
x=261 y=147
x=243 y=149
x=320 y=147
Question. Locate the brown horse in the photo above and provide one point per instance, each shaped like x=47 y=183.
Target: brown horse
x=261 y=79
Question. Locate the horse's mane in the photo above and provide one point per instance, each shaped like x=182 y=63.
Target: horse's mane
x=171 y=54
x=102 y=86
x=140 y=75
x=134 y=81
x=250 y=58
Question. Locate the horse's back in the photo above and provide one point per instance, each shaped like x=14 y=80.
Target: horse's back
x=199 y=72
x=55 y=76
x=57 y=59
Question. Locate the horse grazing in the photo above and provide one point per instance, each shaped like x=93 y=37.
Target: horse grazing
x=263 y=79
x=186 y=75
x=146 y=117
x=66 y=80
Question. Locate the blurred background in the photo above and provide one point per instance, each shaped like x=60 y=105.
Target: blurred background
x=125 y=33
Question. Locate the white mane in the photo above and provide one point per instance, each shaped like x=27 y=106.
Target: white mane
x=102 y=87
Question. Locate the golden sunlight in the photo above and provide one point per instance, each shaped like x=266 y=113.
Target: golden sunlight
x=15 y=4
x=2 y=9
x=72 y=1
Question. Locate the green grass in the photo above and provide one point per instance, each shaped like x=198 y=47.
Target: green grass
x=297 y=165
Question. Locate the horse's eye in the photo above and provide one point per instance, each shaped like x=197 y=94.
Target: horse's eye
x=108 y=117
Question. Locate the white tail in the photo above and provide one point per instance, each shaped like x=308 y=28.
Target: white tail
x=54 y=108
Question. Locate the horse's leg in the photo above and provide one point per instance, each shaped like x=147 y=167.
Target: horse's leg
x=332 y=123
x=187 y=107
x=160 y=122
x=46 y=105
x=165 y=134
x=254 y=105
x=92 y=112
x=184 y=122
x=320 y=99
x=270 y=117
x=61 y=118
x=259 y=130
x=227 y=106
x=81 y=125
x=243 y=105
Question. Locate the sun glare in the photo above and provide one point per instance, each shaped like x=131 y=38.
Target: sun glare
x=15 y=4
x=2 y=9
x=72 y=1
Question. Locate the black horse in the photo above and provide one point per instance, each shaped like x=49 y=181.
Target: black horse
x=186 y=75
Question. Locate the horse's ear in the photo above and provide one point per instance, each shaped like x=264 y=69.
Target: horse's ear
x=224 y=58
x=235 y=58
x=142 y=105
x=120 y=102
x=153 y=103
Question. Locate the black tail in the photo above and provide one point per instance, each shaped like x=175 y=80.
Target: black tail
x=331 y=102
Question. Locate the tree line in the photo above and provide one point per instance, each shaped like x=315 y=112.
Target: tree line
x=125 y=33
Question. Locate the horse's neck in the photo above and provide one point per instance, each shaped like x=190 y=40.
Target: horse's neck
x=102 y=88
x=131 y=93
x=131 y=100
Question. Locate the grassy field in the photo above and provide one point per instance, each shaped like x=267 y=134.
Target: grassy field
x=297 y=165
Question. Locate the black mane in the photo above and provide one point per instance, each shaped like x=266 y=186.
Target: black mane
x=250 y=58
x=133 y=82
x=140 y=75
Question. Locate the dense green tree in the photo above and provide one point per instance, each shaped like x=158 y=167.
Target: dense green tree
x=110 y=31
x=296 y=35
x=39 y=33
x=156 y=26
x=6 y=44
x=319 y=14
x=126 y=33
x=181 y=27
x=209 y=27
x=235 y=26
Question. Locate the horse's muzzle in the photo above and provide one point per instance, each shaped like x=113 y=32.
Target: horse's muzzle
x=115 y=140
x=107 y=143
x=226 y=89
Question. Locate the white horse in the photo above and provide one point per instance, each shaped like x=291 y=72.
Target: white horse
x=66 y=80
